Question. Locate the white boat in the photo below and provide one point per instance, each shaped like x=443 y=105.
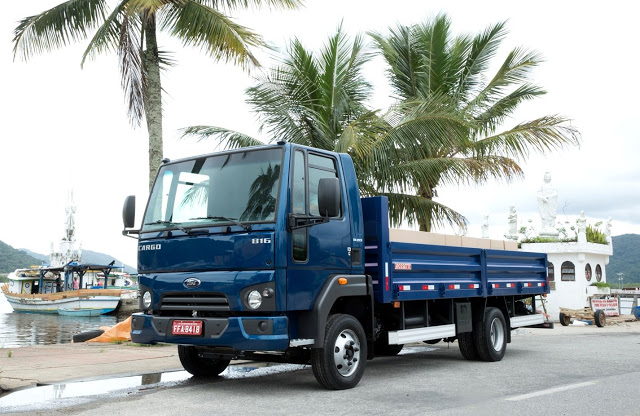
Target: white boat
x=49 y=289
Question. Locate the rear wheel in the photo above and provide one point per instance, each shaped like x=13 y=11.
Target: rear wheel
x=199 y=366
x=600 y=318
x=340 y=364
x=467 y=346
x=491 y=336
x=565 y=320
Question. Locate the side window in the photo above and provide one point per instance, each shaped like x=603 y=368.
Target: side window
x=299 y=206
x=319 y=167
x=299 y=191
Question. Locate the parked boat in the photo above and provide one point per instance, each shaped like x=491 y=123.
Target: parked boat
x=49 y=289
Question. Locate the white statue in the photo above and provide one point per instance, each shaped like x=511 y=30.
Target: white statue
x=513 y=224
x=485 y=227
x=547 y=203
x=582 y=228
x=607 y=230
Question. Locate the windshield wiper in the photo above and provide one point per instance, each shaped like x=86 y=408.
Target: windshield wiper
x=231 y=220
x=175 y=224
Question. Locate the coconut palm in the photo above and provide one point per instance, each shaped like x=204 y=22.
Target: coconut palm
x=131 y=30
x=433 y=72
x=319 y=100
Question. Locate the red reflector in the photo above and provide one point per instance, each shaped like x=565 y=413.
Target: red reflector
x=386 y=283
x=497 y=285
x=452 y=286
x=425 y=287
x=471 y=286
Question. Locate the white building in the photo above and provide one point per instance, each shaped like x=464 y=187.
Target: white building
x=573 y=267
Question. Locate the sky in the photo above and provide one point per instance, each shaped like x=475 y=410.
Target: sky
x=65 y=128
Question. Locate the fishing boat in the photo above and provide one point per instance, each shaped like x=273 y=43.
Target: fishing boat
x=49 y=289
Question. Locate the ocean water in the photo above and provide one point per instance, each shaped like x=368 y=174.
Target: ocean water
x=26 y=329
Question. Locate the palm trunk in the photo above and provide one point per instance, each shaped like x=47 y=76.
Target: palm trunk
x=425 y=222
x=153 y=97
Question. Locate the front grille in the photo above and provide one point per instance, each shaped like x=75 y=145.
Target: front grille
x=182 y=303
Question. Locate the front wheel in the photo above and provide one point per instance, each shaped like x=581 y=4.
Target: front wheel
x=491 y=336
x=199 y=366
x=340 y=363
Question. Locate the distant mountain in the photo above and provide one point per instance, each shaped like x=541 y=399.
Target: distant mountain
x=88 y=256
x=11 y=259
x=625 y=259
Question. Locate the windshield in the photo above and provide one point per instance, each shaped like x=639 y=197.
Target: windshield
x=235 y=188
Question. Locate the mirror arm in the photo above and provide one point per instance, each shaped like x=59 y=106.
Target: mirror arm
x=127 y=233
x=295 y=222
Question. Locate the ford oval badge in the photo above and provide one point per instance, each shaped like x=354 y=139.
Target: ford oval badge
x=191 y=283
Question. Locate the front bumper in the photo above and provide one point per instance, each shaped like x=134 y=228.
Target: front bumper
x=268 y=333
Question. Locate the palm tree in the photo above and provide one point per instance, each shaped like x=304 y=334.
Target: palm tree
x=319 y=100
x=434 y=73
x=131 y=30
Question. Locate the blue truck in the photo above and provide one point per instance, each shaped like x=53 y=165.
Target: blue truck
x=270 y=254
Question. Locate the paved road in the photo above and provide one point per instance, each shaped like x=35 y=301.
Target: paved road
x=569 y=371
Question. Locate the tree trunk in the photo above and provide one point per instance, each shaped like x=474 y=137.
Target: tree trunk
x=425 y=222
x=153 y=97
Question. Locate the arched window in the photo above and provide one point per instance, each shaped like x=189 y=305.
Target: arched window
x=587 y=272
x=568 y=272
x=598 y=273
x=551 y=272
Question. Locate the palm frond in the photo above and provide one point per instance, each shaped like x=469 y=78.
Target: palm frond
x=541 y=135
x=59 y=26
x=229 y=138
x=216 y=34
x=232 y=5
x=483 y=49
x=106 y=38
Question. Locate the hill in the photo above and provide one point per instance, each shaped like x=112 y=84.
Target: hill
x=11 y=259
x=625 y=259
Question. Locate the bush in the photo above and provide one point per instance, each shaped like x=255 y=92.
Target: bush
x=595 y=236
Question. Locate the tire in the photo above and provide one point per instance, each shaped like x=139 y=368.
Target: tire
x=565 y=320
x=600 y=318
x=87 y=335
x=198 y=366
x=381 y=347
x=467 y=345
x=340 y=364
x=491 y=336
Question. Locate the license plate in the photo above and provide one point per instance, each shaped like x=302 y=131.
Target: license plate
x=187 y=328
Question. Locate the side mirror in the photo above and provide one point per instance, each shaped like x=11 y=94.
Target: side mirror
x=329 y=197
x=129 y=211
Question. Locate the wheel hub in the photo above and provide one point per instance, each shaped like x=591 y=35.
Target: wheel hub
x=346 y=352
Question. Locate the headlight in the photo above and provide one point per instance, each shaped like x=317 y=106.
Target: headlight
x=254 y=299
x=146 y=299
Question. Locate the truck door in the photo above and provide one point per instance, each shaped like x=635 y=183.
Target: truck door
x=321 y=250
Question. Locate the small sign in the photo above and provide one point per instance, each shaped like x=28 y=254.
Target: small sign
x=609 y=306
x=402 y=266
